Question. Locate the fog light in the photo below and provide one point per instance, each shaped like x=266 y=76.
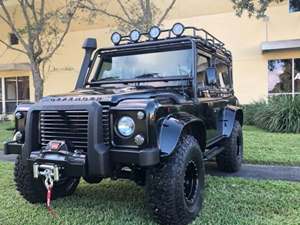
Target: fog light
x=139 y=139
x=18 y=136
x=140 y=115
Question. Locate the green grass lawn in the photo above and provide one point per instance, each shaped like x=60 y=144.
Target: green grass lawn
x=5 y=133
x=231 y=201
x=261 y=147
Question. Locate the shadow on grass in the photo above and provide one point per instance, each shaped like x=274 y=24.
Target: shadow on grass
x=121 y=200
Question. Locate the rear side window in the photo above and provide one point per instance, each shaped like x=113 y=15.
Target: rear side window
x=223 y=75
x=202 y=65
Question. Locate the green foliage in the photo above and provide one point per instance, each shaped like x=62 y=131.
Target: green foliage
x=250 y=110
x=6 y=131
x=228 y=201
x=253 y=7
x=279 y=114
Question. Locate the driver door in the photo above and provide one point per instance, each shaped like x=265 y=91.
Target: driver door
x=207 y=106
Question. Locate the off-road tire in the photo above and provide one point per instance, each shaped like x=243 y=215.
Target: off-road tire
x=92 y=180
x=230 y=159
x=166 y=189
x=33 y=190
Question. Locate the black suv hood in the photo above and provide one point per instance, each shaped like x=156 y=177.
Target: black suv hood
x=115 y=95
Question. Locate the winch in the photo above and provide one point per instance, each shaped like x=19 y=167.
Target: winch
x=51 y=174
x=46 y=170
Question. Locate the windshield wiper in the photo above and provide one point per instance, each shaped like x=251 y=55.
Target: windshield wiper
x=109 y=78
x=148 y=75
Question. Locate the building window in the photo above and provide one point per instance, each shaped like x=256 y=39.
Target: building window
x=284 y=76
x=13 y=39
x=294 y=6
x=16 y=91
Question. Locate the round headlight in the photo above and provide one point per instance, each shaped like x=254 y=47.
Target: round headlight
x=19 y=115
x=126 y=126
x=177 y=29
x=116 y=38
x=154 y=32
x=135 y=35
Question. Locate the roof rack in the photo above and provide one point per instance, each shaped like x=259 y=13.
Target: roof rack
x=208 y=39
x=200 y=35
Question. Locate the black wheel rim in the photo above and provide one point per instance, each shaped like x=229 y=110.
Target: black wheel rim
x=191 y=183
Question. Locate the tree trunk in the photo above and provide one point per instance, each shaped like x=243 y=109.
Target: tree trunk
x=38 y=82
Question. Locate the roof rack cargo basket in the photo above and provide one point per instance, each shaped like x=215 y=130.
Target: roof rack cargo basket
x=178 y=30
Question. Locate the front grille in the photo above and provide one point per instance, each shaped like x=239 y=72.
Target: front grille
x=106 y=124
x=71 y=126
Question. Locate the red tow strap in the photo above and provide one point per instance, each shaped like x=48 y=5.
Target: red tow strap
x=50 y=210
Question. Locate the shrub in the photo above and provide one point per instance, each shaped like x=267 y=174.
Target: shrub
x=278 y=114
x=250 y=110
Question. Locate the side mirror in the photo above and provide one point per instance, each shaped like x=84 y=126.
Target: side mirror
x=211 y=76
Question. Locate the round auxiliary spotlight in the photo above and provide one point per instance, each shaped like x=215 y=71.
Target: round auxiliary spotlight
x=116 y=38
x=135 y=35
x=154 y=32
x=178 y=29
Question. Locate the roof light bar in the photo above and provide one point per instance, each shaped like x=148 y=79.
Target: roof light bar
x=116 y=38
x=154 y=32
x=135 y=35
x=178 y=29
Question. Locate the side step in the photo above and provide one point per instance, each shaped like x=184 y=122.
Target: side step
x=210 y=153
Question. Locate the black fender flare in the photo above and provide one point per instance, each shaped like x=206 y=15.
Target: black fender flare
x=172 y=128
x=230 y=115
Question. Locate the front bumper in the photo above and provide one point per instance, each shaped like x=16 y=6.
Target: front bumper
x=100 y=159
x=76 y=164
x=12 y=147
x=73 y=164
x=144 y=157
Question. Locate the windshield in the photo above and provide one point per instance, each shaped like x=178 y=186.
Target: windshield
x=146 y=65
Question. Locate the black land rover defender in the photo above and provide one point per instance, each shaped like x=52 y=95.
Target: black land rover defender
x=153 y=109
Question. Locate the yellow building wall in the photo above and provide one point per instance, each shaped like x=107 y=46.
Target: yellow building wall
x=243 y=36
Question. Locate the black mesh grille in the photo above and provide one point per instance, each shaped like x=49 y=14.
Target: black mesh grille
x=71 y=126
x=106 y=124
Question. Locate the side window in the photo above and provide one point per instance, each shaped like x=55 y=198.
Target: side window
x=223 y=75
x=202 y=65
